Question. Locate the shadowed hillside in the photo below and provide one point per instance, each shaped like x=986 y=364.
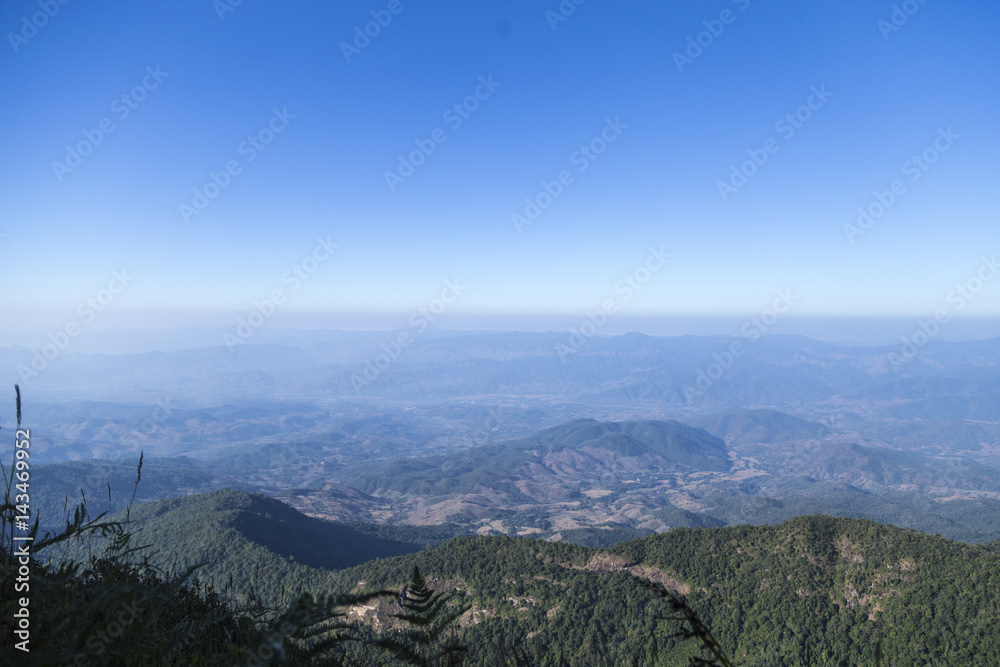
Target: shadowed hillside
x=552 y=463
x=264 y=543
x=758 y=426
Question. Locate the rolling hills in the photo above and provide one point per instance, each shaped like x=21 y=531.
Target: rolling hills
x=243 y=540
x=757 y=426
x=803 y=424
x=842 y=585
x=580 y=467
x=553 y=464
x=568 y=481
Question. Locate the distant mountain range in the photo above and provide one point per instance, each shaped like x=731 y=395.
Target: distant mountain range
x=945 y=380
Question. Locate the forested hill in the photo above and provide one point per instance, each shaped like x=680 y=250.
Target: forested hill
x=252 y=540
x=842 y=585
x=550 y=464
x=758 y=426
x=669 y=439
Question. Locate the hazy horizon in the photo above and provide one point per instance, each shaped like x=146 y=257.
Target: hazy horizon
x=132 y=337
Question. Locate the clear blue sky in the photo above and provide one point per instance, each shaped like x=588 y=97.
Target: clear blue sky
x=656 y=184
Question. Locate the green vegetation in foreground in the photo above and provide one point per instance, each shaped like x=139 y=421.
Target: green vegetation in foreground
x=841 y=586
x=240 y=541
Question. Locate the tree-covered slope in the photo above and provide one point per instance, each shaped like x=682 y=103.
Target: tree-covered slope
x=256 y=541
x=670 y=440
x=840 y=585
x=551 y=464
x=758 y=426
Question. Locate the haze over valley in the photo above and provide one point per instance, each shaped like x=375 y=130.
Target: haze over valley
x=498 y=434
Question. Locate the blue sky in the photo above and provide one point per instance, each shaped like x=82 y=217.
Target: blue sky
x=556 y=86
